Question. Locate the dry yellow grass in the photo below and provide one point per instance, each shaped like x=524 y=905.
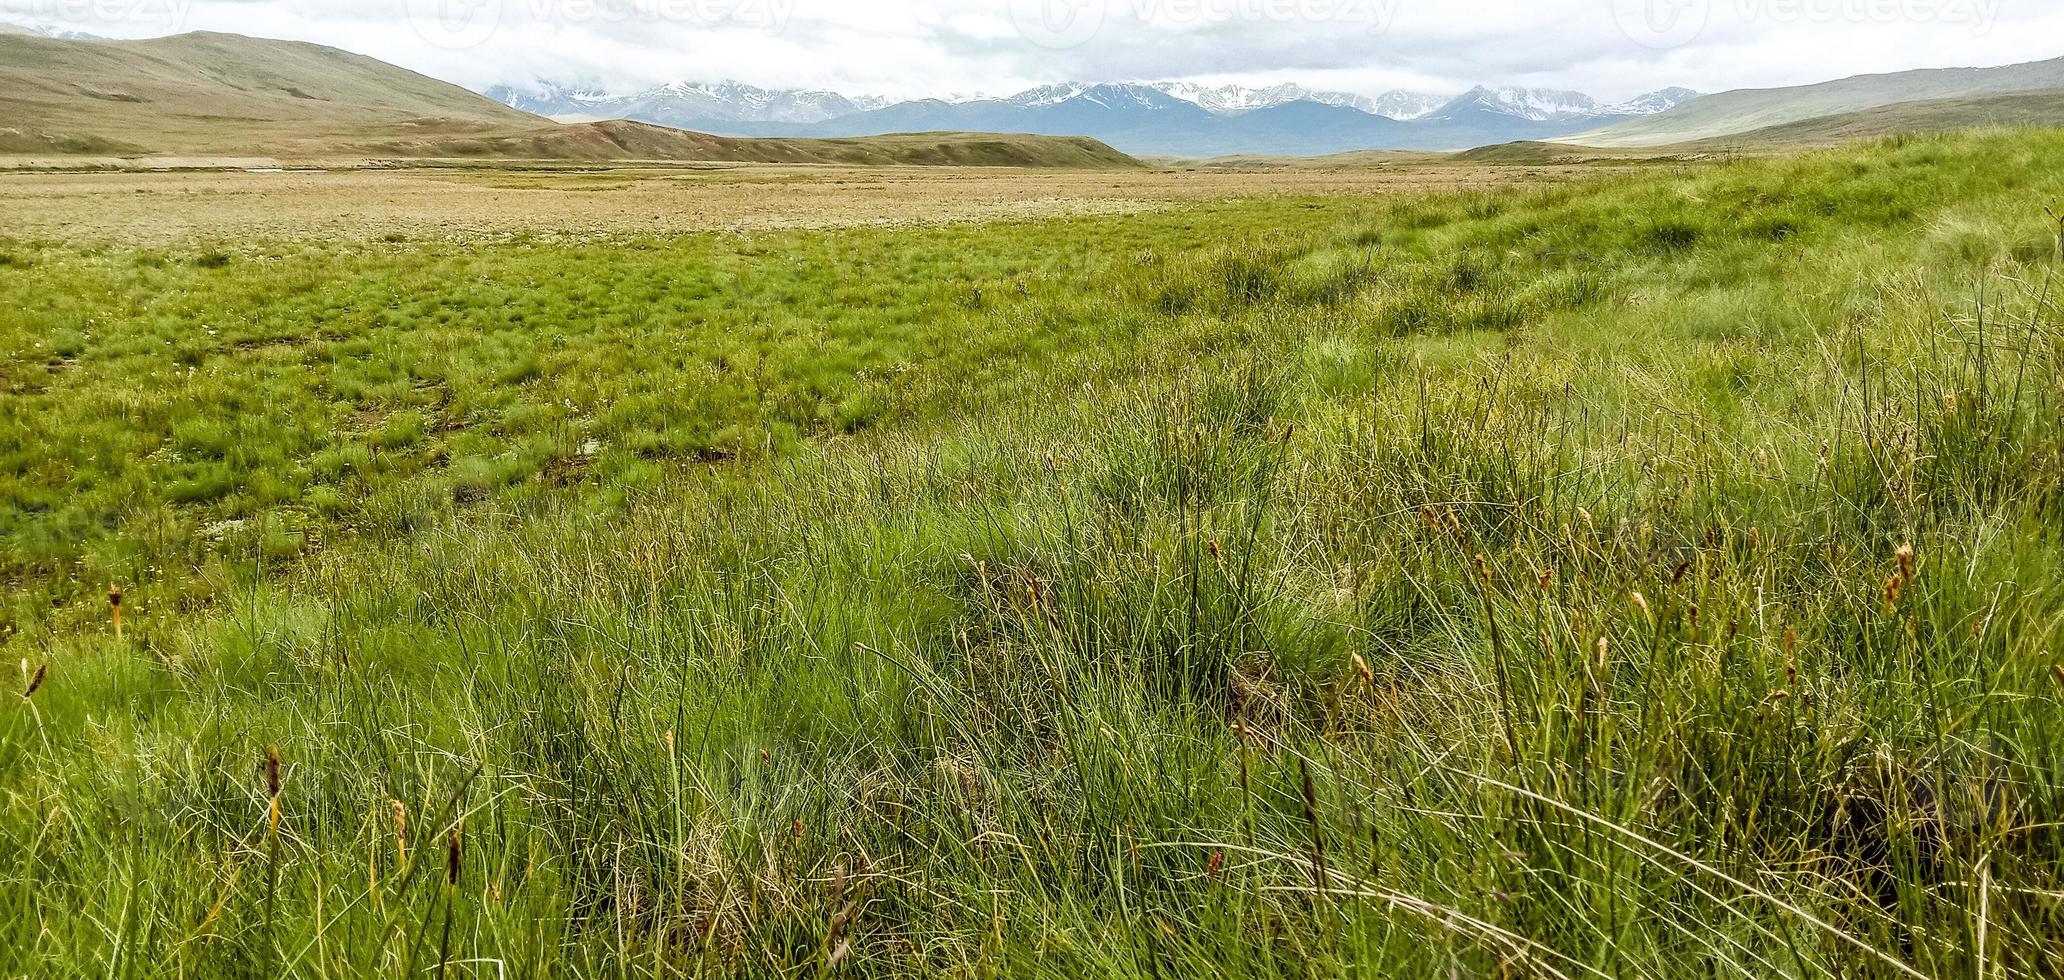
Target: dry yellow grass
x=147 y=207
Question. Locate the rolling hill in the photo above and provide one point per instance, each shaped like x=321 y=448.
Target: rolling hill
x=2042 y=109
x=1749 y=110
x=217 y=93
x=225 y=95
x=615 y=139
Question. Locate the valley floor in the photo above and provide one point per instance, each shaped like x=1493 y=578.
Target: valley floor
x=1455 y=571
x=169 y=207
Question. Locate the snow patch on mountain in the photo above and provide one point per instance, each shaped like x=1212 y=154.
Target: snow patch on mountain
x=1403 y=105
x=1660 y=100
x=686 y=101
x=1536 y=104
x=1109 y=96
x=1228 y=100
x=1557 y=105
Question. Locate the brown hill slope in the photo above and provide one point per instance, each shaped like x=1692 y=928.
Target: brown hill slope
x=217 y=93
x=623 y=140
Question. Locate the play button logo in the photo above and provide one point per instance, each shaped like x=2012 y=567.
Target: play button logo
x=1662 y=23
x=1058 y=24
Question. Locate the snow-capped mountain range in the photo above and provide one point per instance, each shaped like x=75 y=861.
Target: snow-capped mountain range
x=1232 y=99
x=1548 y=105
x=722 y=101
x=1171 y=118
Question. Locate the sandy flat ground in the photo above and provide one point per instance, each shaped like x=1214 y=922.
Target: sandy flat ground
x=172 y=207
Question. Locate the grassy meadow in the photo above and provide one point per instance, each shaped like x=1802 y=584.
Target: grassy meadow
x=1659 y=575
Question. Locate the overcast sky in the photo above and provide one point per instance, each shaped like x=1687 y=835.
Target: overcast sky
x=908 y=48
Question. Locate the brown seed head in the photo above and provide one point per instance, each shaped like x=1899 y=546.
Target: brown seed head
x=272 y=773
x=1362 y=668
x=114 y=594
x=1905 y=555
x=455 y=856
x=36 y=682
x=1212 y=866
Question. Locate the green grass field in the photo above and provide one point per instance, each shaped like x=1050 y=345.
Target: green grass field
x=1653 y=576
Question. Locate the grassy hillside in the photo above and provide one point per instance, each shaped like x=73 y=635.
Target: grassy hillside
x=2042 y=110
x=1654 y=577
x=1746 y=110
x=228 y=95
x=1359 y=159
x=618 y=140
x=1537 y=153
x=218 y=93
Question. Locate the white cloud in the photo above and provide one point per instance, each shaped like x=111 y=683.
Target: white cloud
x=1613 y=48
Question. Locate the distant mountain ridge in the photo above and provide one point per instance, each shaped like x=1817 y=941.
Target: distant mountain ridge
x=1744 y=110
x=1166 y=118
x=215 y=96
x=727 y=101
